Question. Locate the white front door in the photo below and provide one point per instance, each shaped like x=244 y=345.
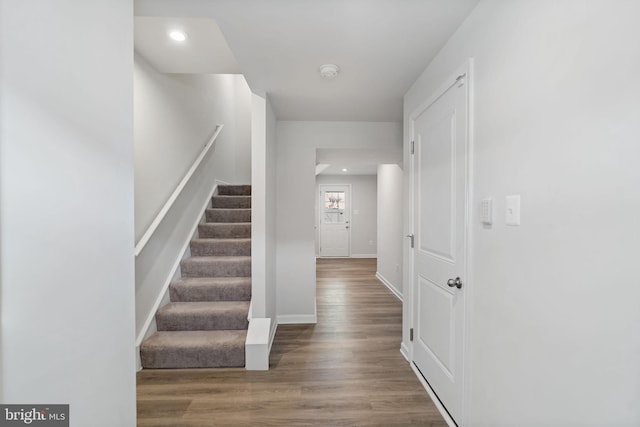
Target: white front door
x=439 y=181
x=334 y=221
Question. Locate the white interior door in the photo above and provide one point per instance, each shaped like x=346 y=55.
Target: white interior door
x=335 y=231
x=439 y=181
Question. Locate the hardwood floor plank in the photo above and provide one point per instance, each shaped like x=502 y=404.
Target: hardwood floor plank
x=346 y=370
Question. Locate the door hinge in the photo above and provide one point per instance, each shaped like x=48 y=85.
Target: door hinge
x=413 y=147
x=411 y=334
x=411 y=236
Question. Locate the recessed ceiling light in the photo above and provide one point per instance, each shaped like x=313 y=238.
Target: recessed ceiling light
x=344 y=169
x=178 y=35
x=329 y=71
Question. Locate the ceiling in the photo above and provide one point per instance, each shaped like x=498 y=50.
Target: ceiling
x=205 y=52
x=381 y=47
x=332 y=161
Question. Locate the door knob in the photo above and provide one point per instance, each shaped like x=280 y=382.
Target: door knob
x=455 y=282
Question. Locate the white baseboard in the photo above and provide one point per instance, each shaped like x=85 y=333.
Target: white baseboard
x=272 y=338
x=434 y=398
x=290 y=319
x=388 y=284
x=175 y=273
x=364 y=256
x=404 y=350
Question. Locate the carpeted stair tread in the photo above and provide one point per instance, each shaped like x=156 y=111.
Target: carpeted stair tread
x=220 y=247
x=194 y=349
x=233 y=230
x=228 y=215
x=234 y=190
x=205 y=324
x=211 y=289
x=203 y=316
x=216 y=266
x=231 y=202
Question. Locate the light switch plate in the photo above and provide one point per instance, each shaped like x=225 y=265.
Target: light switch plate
x=486 y=211
x=512 y=206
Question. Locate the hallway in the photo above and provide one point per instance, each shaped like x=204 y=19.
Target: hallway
x=346 y=370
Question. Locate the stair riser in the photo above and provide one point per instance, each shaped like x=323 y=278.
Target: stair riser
x=231 y=202
x=179 y=358
x=234 y=190
x=228 y=215
x=224 y=231
x=221 y=248
x=216 y=268
x=210 y=293
x=208 y=321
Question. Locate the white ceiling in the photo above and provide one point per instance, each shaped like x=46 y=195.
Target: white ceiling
x=204 y=52
x=381 y=46
x=331 y=161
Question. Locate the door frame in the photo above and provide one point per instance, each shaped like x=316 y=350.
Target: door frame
x=319 y=201
x=407 y=347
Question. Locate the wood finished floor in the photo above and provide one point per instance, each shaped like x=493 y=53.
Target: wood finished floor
x=346 y=370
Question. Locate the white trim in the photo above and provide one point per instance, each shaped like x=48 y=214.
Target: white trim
x=466 y=362
x=465 y=71
x=364 y=255
x=138 y=359
x=388 y=284
x=434 y=398
x=404 y=351
x=292 y=319
x=272 y=338
x=174 y=271
x=165 y=209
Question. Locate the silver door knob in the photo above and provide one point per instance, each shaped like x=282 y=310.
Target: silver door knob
x=455 y=282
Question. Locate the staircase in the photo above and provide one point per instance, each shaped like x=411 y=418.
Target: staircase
x=205 y=324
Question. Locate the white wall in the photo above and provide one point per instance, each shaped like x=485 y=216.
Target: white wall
x=271 y=212
x=242 y=133
x=263 y=215
x=555 y=315
x=175 y=115
x=297 y=144
x=390 y=236
x=66 y=208
x=364 y=214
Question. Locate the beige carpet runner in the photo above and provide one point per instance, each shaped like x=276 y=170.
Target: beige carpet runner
x=205 y=324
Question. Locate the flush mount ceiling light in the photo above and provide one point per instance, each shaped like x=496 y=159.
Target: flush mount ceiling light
x=329 y=71
x=177 y=35
x=344 y=170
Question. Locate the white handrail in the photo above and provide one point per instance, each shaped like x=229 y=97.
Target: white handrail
x=163 y=212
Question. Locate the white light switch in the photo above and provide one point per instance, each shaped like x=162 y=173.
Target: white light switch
x=512 y=210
